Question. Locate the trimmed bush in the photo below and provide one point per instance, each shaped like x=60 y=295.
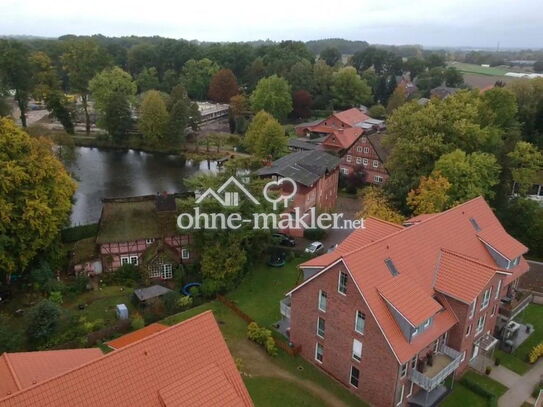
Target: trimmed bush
x=262 y=336
x=536 y=353
x=492 y=400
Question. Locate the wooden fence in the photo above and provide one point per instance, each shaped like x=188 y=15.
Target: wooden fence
x=280 y=343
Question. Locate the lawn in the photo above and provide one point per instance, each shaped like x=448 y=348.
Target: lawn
x=478 y=69
x=461 y=396
x=486 y=382
x=262 y=288
x=275 y=392
x=533 y=314
x=100 y=304
x=511 y=362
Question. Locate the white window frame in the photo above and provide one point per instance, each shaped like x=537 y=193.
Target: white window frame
x=319 y=319
x=356 y=345
x=415 y=332
x=364 y=140
x=155 y=271
x=498 y=289
x=471 y=311
x=486 y=298
x=413 y=362
x=480 y=326
x=322 y=294
x=351 y=377
x=463 y=356
x=340 y=274
x=345 y=171
x=494 y=309
x=317 y=345
x=375 y=163
x=349 y=158
x=365 y=161
x=358 y=160
x=166 y=271
x=403 y=370
x=410 y=390
x=427 y=323
x=185 y=254
x=468 y=331
x=366 y=150
x=134 y=260
x=149 y=241
x=362 y=318
x=359 y=149
x=125 y=260
x=378 y=179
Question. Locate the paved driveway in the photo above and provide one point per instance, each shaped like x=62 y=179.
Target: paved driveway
x=520 y=387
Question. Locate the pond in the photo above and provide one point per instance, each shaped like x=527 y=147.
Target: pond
x=104 y=173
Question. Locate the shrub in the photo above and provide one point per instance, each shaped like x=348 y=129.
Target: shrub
x=262 y=336
x=127 y=274
x=56 y=297
x=76 y=233
x=170 y=301
x=536 y=353
x=137 y=322
x=42 y=322
x=184 y=302
x=491 y=398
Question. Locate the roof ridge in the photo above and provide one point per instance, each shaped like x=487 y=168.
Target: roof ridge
x=472 y=260
x=110 y=354
x=437 y=215
x=12 y=371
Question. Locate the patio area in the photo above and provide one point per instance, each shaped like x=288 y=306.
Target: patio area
x=429 y=399
x=440 y=361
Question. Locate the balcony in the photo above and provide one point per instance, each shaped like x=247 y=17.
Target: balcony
x=445 y=362
x=285 y=307
x=514 y=304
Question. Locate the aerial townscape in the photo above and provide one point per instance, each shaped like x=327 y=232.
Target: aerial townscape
x=214 y=206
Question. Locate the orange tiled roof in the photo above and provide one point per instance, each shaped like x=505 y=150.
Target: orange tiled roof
x=375 y=229
x=416 y=252
x=496 y=236
x=136 y=336
x=351 y=116
x=162 y=370
x=409 y=299
x=24 y=369
x=343 y=138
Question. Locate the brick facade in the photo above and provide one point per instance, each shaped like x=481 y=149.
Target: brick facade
x=362 y=156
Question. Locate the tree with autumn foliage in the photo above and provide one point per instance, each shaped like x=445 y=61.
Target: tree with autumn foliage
x=35 y=198
x=223 y=86
x=431 y=196
x=375 y=203
x=302 y=102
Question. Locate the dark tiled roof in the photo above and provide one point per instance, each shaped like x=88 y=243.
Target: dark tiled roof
x=301 y=144
x=304 y=167
x=376 y=140
x=154 y=291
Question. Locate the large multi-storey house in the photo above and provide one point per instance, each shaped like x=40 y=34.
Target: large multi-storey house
x=395 y=310
x=316 y=174
x=142 y=231
x=354 y=137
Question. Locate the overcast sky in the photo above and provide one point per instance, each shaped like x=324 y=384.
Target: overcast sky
x=478 y=23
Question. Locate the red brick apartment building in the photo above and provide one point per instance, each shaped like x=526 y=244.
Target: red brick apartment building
x=353 y=136
x=316 y=174
x=395 y=310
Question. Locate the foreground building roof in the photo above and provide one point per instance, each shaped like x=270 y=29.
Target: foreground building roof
x=135 y=336
x=187 y=364
x=412 y=268
x=21 y=370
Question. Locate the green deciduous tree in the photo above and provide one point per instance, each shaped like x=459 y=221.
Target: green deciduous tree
x=108 y=82
x=82 y=60
x=349 y=90
x=265 y=137
x=273 y=95
x=330 y=55
x=42 y=322
x=35 y=197
x=117 y=117
x=153 y=117
x=147 y=79
x=300 y=76
x=526 y=165
x=470 y=175
x=197 y=75
x=16 y=72
x=523 y=218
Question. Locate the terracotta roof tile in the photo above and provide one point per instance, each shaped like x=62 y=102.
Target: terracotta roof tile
x=343 y=138
x=496 y=236
x=136 y=336
x=141 y=373
x=351 y=116
x=415 y=304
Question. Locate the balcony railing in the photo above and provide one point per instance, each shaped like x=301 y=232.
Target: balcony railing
x=512 y=306
x=446 y=361
x=285 y=307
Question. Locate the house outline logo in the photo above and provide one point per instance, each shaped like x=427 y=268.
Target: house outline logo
x=231 y=199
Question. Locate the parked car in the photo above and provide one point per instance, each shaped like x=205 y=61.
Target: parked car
x=283 y=240
x=314 y=248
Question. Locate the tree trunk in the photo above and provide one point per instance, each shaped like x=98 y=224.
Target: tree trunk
x=87 y=117
x=21 y=102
